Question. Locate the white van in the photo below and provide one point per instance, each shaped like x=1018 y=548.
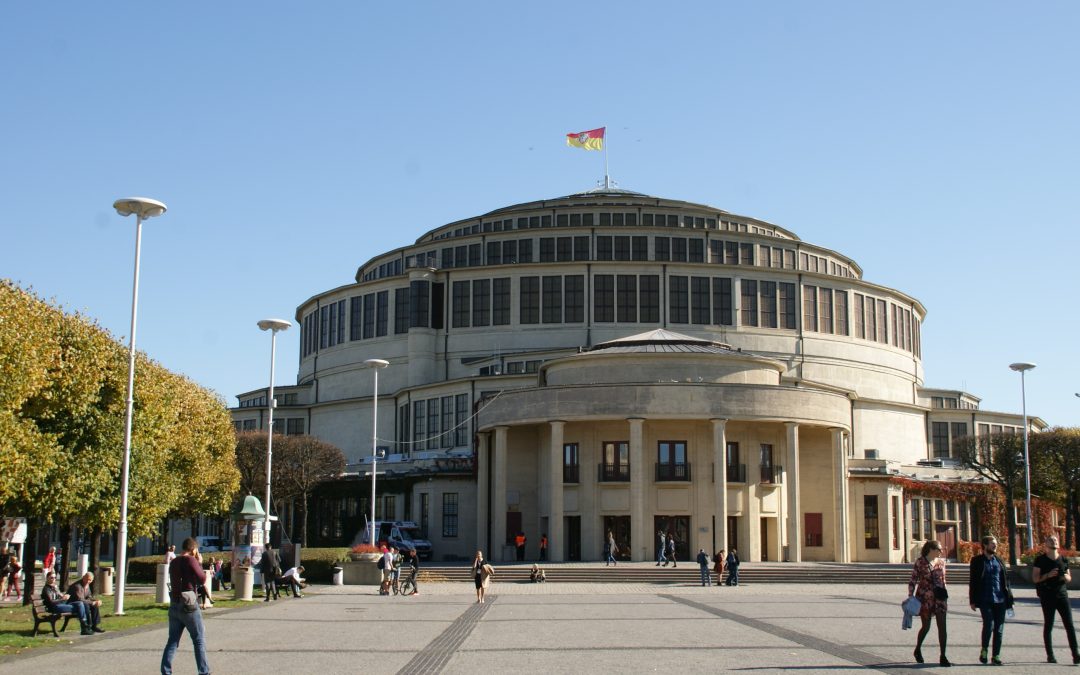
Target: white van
x=404 y=534
x=212 y=544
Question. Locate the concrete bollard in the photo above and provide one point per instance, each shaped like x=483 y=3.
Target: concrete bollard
x=339 y=576
x=161 y=593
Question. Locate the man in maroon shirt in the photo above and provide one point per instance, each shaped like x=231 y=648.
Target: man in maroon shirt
x=185 y=574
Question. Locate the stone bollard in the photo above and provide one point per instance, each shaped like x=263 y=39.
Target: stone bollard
x=339 y=575
x=161 y=593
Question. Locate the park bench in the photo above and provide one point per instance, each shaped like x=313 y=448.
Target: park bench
x=43 y=615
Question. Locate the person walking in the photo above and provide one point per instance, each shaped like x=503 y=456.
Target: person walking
x=185 y=575
x=610 y=550
x=989 y=593
x=270 y=566
x=482 y=573
x=732 y=563
x=49 y=563
x=671 y=551
x=718 y=566
x=1051 y=575
x=14 y=571
x=928 y=584
x=660 y=549
x=703 y=561
x=543 y=547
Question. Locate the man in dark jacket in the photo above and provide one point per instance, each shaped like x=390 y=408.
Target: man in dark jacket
x=81 y=596
x=989 y=593
x=270 y=566
x=732 y=564
x=55 y=601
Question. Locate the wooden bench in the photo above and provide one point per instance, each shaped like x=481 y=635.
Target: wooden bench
x=43 y=615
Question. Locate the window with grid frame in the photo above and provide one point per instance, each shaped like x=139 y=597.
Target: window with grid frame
x=461 y=419
x=450 y=514
x=574 y=298
x=916 y=519
x=940 y=438
x=679 y=300
x=871 y=535
x=571 y=466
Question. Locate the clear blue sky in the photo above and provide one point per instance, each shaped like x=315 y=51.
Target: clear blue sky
x=934 y=143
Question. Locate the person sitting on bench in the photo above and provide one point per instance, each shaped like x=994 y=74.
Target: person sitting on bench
x=81 y=595
x=293 y=579
x=55 y=601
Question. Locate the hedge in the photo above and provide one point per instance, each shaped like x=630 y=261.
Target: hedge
x=316 y=561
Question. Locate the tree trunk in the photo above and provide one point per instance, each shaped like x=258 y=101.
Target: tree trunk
x=28 y=560
x=303 y=518
x=1010 y=524
x=1069 y=518
x=66 y=548
x=95 y=548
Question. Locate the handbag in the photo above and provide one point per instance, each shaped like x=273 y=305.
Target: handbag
x=941 y=593
x=190 y=600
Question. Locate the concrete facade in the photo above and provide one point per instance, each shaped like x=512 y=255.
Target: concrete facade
x=614 y=361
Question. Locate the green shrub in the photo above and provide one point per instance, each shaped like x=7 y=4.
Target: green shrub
x=143 y=569
x=318 y=561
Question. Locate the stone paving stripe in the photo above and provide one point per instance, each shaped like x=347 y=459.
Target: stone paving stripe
x=865 y=659
x=434 y=657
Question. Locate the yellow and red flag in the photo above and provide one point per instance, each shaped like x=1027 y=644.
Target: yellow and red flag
x=587 y=140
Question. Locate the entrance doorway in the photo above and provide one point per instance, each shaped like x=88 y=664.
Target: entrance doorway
x=620 y=527
x=573 y=537
x=764 y=540
x=678 y=526
x=946 y=536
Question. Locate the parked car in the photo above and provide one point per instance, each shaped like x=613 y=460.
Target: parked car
x=404 y=534
x=211 y=544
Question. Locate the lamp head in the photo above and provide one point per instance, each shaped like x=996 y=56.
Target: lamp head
x=376 y=363
x=274 y=324
x=1022 y=366
x=140 y=206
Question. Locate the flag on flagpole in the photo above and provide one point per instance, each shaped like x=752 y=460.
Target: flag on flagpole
x=587 y=140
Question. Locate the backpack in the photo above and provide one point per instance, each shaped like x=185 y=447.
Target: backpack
x=382 y=562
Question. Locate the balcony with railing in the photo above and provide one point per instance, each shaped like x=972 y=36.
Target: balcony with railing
x=672 y=472
x=570 y=473
x=613 y=473
x=772 y=474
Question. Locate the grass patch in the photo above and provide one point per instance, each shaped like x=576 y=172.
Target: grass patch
x=17 y=623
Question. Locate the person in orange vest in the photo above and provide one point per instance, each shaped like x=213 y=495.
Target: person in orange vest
x=519 y=543
x=543 y=546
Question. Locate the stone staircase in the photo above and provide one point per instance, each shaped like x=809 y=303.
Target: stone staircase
x=688 y=573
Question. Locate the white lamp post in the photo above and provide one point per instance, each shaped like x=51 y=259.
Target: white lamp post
x=142 y=208
x=376 y=365
x=272 y=325
x=1023 y=368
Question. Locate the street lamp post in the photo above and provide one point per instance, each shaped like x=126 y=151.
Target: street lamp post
x=142 y=208
x=376 y=365
x=1023 y=368
x=272 y=325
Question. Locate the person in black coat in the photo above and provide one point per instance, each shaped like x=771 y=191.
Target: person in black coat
x=989 y=593
x=1051 y=575
x=270 y=566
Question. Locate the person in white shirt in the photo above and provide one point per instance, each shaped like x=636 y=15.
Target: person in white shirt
x=294 y=580
x=170 y=554
x=387 y=571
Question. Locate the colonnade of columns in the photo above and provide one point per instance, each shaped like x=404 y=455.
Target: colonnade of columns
x=790 y=528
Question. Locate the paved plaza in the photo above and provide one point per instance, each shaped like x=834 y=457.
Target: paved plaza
x=564 y=628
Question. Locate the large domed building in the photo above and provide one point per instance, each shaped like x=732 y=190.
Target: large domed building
x=615 y=362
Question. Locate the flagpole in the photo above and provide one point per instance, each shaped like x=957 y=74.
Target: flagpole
x=607 y=180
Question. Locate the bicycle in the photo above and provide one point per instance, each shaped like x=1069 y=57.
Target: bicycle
x=408 y=587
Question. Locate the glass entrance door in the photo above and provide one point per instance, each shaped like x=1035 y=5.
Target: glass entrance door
x=620 y=527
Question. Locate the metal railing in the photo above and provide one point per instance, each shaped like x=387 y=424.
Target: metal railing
x=772 y=475
x=678 y=472
x=570 y=473
x=613 y=473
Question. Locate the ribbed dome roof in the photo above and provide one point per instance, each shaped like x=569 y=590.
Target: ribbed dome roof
x=661 y=340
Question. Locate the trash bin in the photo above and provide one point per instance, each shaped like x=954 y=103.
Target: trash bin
x=103 y=581
x=339 y=575
x=243 y=583
x=161 y=594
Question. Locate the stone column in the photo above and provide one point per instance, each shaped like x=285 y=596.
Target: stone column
x=639 y=531
x=556 y=545
x=842 y=545
x=794 y=508
x=482 y=507
x=498 y=496
x=719 y=435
